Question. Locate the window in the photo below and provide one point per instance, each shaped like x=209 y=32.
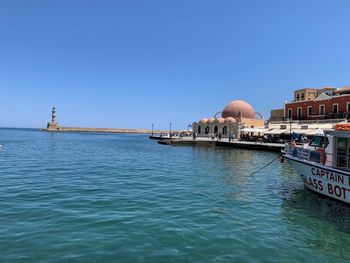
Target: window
x=299 y=113
x=335 y=108
x=321 y=110
x=297 y=97
x=289 y=113
x=302 y=96
x=199 y=129
x=319 y=141
x=348 y=106
x=224 y=130
x=206 y=130
x=309 y=110
x=342 y=144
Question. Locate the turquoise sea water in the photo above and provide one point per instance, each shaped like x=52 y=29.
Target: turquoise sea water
x=82 y=197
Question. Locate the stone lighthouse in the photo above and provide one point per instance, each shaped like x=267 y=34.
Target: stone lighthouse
x=53 y=125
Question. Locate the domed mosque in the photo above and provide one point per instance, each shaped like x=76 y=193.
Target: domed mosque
x=236 y=116
x=238 y=107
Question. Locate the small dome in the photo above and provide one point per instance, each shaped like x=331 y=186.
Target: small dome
x=203 y=121
x=221 y=120
x=230 y=119
x=237 y=107
x=211 y=120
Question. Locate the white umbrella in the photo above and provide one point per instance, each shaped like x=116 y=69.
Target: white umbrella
x=319 y=132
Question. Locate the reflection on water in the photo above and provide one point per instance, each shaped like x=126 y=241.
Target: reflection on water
x=297 y=197
x=230 y=166
x=317 y=206
x=323 y=223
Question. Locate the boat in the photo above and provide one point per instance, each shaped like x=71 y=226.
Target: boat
x=324 y=163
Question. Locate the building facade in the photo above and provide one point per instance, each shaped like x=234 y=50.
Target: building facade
x=277 y=115
x=329 y=104
x=235 y=116
x=305 y=94
x=212 y=126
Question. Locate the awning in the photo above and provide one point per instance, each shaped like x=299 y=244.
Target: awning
x=255 y=130
x=308 y=132
x=276 y=131
x=301 y=131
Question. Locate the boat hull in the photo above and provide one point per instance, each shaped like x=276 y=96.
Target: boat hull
x=324 y=180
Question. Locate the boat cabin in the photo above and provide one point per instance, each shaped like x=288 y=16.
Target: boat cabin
x=340 y=152
x=330 y=149
x=333 y=148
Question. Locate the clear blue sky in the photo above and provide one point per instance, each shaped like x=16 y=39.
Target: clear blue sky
x=132 y=63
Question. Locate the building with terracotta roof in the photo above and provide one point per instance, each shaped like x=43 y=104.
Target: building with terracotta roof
x=342 y=91
x=307 y=114
x=330 y=103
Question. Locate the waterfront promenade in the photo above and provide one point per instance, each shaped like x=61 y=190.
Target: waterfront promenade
x=275 y=147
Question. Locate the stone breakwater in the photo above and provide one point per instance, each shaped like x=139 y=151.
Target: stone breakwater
x=103 y=130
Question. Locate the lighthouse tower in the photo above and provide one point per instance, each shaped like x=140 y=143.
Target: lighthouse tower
x=53 y=116
x=53 y=125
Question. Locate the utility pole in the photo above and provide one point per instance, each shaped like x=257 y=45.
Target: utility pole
x=170 y=130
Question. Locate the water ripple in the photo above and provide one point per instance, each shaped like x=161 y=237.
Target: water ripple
x=71 y=197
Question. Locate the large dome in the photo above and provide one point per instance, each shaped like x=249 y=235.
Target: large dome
x=234 y=108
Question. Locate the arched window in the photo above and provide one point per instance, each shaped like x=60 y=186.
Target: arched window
x=216 y=129
x=206 y=130
x=224 y=130
x=199 y=129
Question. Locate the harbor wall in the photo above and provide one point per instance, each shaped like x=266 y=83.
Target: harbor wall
x=103 y=130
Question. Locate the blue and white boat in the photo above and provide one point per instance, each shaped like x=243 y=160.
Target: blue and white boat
x=324 y=163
